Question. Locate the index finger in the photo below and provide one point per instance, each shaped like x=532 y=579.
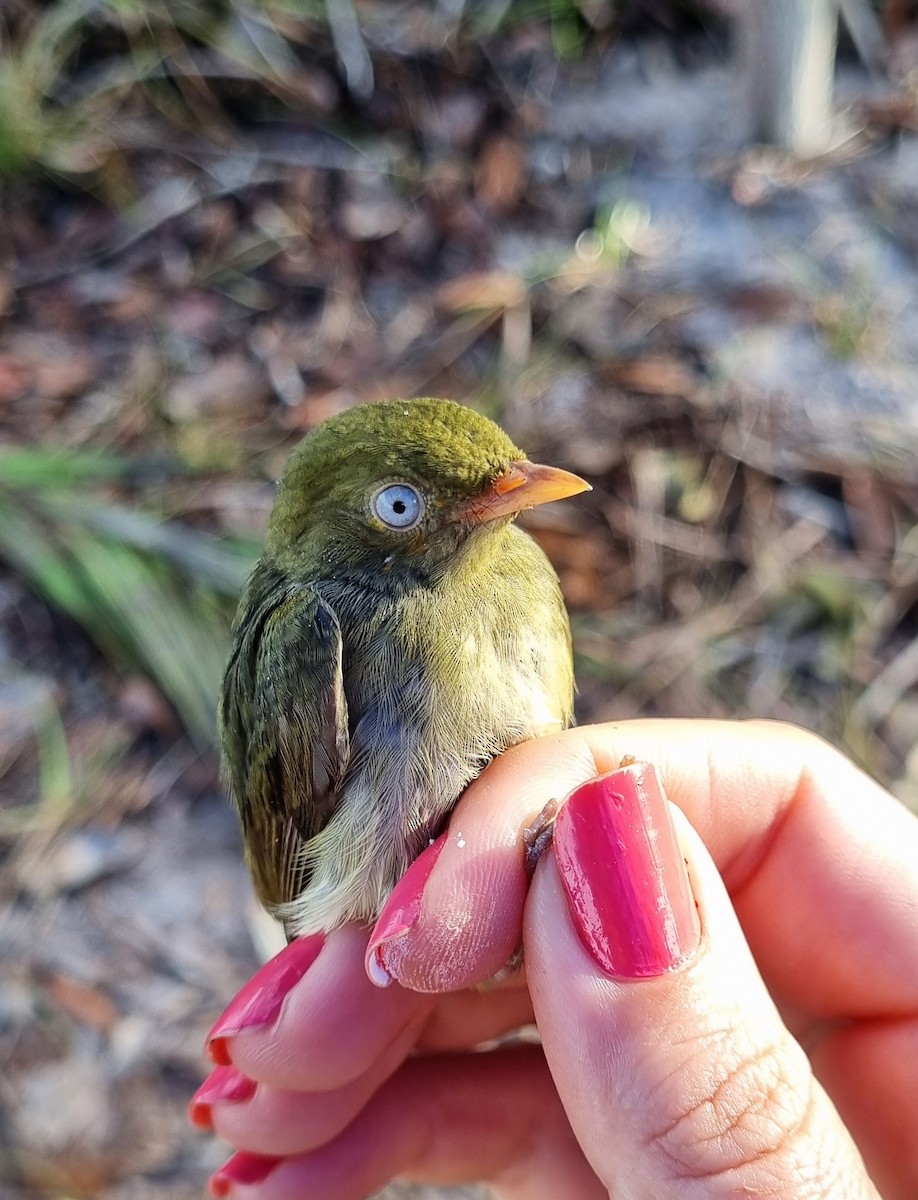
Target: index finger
x=820 y=861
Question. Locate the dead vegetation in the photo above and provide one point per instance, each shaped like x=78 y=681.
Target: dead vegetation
x=217 y=232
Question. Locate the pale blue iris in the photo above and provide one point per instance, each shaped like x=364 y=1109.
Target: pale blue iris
x=399 y=505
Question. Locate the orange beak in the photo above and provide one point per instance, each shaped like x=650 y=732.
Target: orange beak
x=521 y=485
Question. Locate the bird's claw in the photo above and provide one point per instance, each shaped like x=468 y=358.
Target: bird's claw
x=537 y=837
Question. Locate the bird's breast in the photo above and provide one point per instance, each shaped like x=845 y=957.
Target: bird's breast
x=438 y=681
x=442 y=680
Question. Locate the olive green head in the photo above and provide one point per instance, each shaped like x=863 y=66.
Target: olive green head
x=405 y=483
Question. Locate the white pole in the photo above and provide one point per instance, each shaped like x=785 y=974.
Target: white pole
x=787 y=53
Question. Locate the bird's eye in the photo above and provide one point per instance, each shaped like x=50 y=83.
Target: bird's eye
x=398 y=505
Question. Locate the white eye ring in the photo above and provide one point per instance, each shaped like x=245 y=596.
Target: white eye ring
x=398 y=505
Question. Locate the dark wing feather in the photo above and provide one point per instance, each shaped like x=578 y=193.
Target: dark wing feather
x=284 y=731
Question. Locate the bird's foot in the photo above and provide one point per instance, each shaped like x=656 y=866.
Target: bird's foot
x=537 y=837
x=507 y=973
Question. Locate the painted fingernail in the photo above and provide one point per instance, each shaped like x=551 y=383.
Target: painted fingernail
x=241 y=1168
x=259 y=1002
x=224 y=1084
x=401 y=912
x=627 y=886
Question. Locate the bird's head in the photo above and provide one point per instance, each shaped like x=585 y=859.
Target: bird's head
x=402 y=487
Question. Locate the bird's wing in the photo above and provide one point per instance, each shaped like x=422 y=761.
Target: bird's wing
x=284 y=732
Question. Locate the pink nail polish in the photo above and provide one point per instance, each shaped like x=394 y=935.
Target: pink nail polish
x=241 y=1168
x=627 y=887
x=224 y=1084
x=401 y=912
x=259 y=1002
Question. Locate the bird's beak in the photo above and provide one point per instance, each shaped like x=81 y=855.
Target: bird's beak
x=522 y=485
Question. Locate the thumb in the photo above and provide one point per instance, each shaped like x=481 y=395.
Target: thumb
x=674 y=1067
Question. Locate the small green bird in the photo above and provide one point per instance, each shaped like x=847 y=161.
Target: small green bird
x=398 y=633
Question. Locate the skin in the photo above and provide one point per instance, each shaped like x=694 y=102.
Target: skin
x=375 y=671
x=691 y=1085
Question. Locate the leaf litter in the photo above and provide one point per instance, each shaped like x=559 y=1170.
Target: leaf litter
x=219 y=231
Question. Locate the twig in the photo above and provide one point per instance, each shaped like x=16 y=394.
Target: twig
x=879 y=699
x=350 y=47
x=866 y=33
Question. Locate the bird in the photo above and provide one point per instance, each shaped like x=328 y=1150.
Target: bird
x=398 y=632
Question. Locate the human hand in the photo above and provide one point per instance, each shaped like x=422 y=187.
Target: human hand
x=685 y=1083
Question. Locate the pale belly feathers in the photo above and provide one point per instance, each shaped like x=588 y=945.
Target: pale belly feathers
x=433 y=706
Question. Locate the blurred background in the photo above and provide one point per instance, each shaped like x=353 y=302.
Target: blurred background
x=225 y=221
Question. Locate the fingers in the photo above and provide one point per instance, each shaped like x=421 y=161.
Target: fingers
x=462 y=1020
x=446 y=1120
x=268 y=1121
x=326 y=1044
x=310 y=1020
x=817 y=859
x=868 y=1068
x=456 y=922
x=807 y=845
x=668 y=1054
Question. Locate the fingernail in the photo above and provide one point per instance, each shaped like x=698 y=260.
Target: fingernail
x=241 y=1168
x=261 y=999
x=401 y=912
x=627 y=886
x=224 y=1084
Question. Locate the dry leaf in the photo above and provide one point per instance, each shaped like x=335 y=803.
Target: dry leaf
x=501 y=173
x=85 y=1003
x=487 y=290
x=230 y=384
x=14 y=377
x=656 y=375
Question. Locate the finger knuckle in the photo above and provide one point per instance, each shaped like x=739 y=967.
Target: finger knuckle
x=748 y=1112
